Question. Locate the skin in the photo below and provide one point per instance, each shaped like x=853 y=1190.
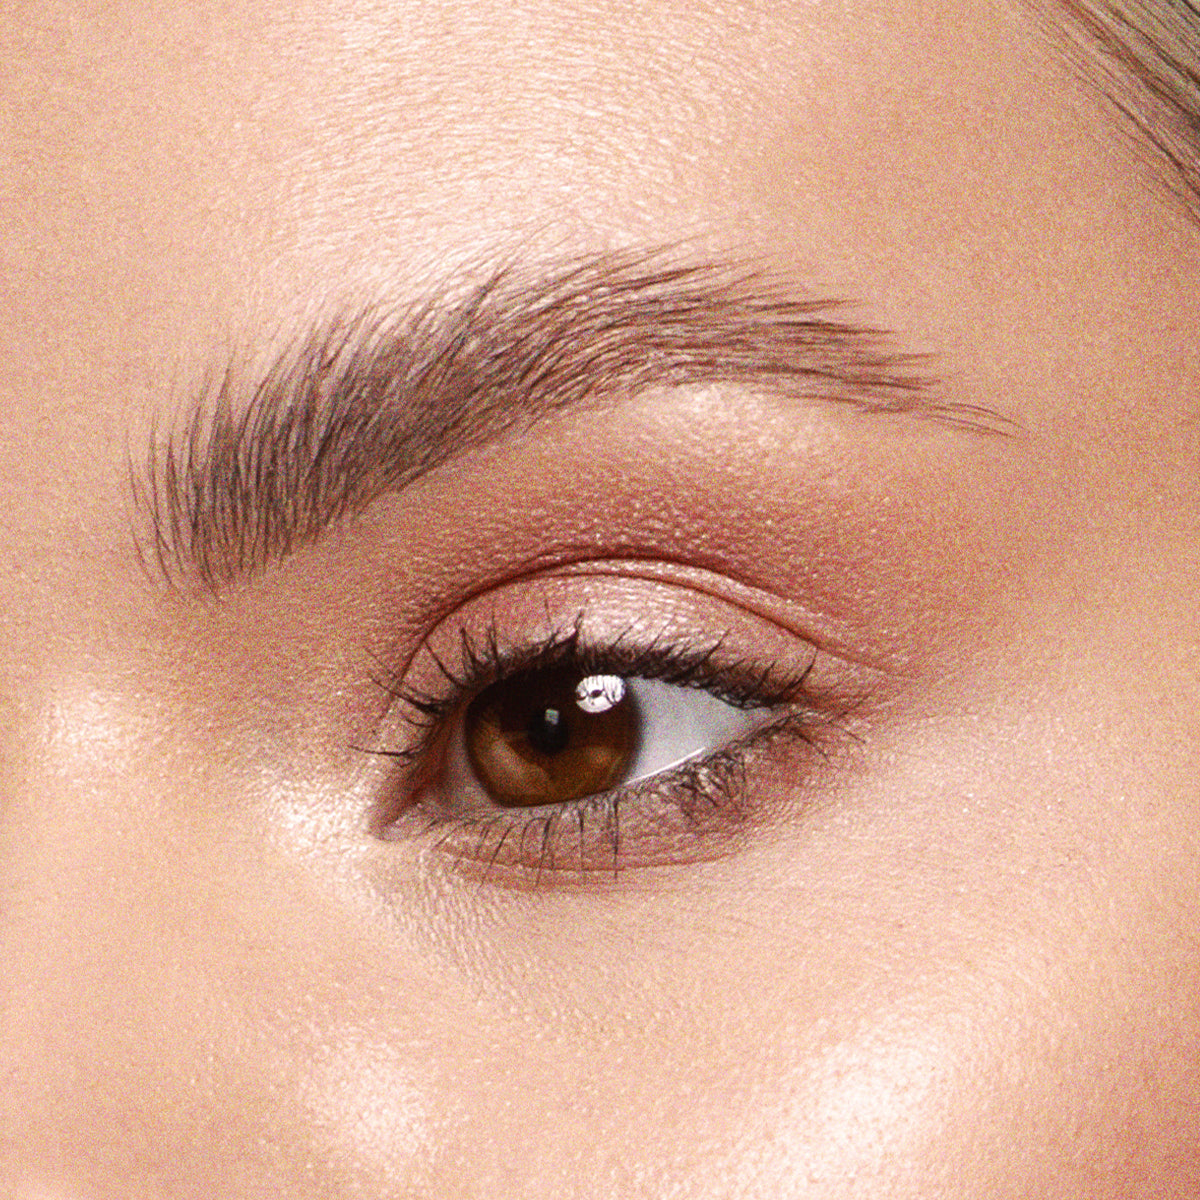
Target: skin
x=959 y=959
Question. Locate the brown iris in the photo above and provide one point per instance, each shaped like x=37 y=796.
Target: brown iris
x=545 y=737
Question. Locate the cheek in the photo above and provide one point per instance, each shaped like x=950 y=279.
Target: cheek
x=970 y=972
x=977 y=979
x=988 y=988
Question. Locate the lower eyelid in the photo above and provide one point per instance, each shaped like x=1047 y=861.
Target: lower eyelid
x=700 y=811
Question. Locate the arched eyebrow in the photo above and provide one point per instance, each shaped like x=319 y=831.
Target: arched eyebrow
x=1142 y=57
x=364 y=406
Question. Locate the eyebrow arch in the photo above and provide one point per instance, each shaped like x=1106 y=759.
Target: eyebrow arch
x=367 y=404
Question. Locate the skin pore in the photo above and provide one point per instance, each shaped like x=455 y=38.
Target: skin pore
x=928 y=930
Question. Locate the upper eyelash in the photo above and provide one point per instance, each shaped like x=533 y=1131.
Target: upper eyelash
x=484 y=661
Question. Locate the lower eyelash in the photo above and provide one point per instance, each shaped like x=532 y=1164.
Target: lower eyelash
x=692 y=812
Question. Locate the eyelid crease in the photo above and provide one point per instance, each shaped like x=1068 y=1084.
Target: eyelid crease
x=792 y=615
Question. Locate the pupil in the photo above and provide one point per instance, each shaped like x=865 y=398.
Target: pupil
x=548 y=731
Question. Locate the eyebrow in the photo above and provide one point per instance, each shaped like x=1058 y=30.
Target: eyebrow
x=365 y=405
x=1141 y=58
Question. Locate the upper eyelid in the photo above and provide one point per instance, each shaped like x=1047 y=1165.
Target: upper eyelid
x=592 y=608
x=792 y=618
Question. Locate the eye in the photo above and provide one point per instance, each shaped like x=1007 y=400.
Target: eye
x=553 y=736
x=539 y=749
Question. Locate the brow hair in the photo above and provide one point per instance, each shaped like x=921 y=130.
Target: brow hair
x=1143 y=56
x=365 y=405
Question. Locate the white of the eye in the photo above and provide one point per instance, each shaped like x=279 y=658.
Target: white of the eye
x=679 y=723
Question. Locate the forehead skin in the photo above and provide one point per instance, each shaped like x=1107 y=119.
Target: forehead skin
x=979 y=977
